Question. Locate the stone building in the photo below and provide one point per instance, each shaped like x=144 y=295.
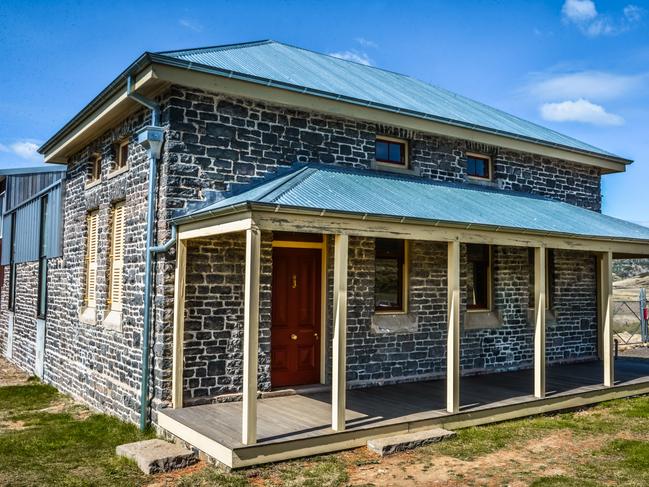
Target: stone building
x=262 y=221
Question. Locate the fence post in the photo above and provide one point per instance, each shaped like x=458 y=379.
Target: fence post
x=644 y=331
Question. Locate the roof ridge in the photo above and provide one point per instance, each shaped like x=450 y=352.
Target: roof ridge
x=219 y=47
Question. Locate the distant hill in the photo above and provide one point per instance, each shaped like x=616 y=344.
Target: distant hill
x=626 y=268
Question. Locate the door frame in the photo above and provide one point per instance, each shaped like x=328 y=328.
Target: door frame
x=290 y=244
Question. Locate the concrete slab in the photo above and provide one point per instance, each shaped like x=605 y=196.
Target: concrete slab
x=155 y=456
x=392 y=444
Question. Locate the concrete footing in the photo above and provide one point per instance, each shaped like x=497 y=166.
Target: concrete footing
x=392 y=444
x=155 y=456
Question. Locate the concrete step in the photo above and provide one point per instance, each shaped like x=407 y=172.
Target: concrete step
x=155 y=456
x=392 y=444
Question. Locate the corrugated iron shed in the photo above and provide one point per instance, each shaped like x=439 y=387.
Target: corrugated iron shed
x=334 y=189
x=271 y=62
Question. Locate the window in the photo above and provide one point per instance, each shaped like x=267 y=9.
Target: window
x=390 y=286
x=95 y=168
x=478 y=166
x=42 y=261
x=391 y=152
x=121 y=155
x=549 y=278
x=478 y=276
x=92 y=242
x=12 y=264
x=115 y=288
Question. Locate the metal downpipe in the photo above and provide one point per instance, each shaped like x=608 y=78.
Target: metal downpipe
x=150 y=217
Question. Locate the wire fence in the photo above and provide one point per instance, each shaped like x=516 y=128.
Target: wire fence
x=629 y=322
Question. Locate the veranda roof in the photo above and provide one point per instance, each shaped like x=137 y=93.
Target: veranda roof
x=337 y=190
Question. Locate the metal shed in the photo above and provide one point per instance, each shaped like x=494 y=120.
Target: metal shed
x=24 y=190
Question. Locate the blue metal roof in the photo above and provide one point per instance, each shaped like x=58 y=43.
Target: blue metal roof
x=320 y=74
x=330 y=188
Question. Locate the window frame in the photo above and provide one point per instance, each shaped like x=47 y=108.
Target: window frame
x=489 y=286
x=41 y=300
x=95 y=170
x=483 y=157
x=387 y=164
x=403 y=308
x=119 y=165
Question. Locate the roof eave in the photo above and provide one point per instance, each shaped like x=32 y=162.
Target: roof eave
x=297 y=210
x=118 y=84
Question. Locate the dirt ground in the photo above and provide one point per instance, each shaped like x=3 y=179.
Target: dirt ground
x=11 y=375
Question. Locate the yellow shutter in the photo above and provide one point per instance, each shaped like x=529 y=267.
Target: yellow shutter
x=91 y=259
x=117 y=258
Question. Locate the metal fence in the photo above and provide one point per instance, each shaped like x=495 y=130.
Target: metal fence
x=630 y=321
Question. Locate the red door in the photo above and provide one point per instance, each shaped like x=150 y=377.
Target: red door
x=295 y=328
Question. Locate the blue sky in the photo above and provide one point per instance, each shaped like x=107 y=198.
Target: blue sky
x=578 y=66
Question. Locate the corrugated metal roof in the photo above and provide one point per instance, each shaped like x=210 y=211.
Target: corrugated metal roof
x=350 y=81
x=330 y=188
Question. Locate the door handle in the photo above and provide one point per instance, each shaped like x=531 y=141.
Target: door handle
x=293 y=336
x=294 y=281
x=317 y=337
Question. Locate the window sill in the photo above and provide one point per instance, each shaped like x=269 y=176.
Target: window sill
x=93 y=184
x=550 y=317
x=117 y=172
x=386 y=322
x=382 y=166
x=88 y=316
x=481 y=181
x=480 y=319
x=113 y=321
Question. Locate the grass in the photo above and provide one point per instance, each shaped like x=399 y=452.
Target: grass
x=48 y=440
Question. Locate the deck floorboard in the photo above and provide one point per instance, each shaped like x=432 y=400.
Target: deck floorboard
x=301 y=416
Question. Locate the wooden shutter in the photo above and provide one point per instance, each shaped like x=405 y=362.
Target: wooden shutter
x=117 y=259
x=91 y=259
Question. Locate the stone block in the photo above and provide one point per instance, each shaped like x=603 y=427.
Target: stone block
x=155 y=456
x=407 y=441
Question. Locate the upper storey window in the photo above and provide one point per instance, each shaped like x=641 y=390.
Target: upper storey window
x=391 y=152
x=478 y=166
x=121 y=156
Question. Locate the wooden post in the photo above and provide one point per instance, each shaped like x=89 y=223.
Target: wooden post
x=539 y=316
x=606 y=288
x=339 y=356
x=179 y=326
x=453 y=346
x=251 y=337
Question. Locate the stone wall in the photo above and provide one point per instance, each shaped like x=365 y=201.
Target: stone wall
x=218 y=143
x=214 y=316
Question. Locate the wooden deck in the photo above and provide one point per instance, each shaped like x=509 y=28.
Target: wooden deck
x=300 y=424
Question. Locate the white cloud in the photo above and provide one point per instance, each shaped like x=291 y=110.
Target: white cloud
x=191 y=25
x=633 y=13
x=579 y=10
x=596 y=85
x=366 y=42
x=353 y=55
x=580 y=110
x=584 y=14
x=25 y=149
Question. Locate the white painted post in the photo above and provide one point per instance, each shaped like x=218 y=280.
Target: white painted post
x=339 y=355
x=606 y=286
x=251 y=337
x=453 y=345
x=179 y=326
x=539 y=315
